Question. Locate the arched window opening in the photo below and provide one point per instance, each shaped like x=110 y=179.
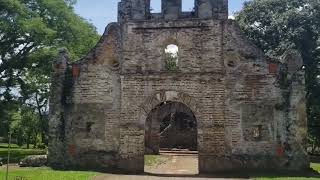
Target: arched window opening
x=172 y=57
x=155 y=6
x=188 y=5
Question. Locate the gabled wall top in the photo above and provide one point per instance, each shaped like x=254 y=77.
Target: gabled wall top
x=135 y=10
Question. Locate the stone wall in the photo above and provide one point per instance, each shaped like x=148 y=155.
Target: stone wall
x=139 y=10
x=199 y=42
x=250 y=109
x=90 y=108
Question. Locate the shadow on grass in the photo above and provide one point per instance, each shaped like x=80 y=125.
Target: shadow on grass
x=309 y=173
x=245 y=175
x=267 y=174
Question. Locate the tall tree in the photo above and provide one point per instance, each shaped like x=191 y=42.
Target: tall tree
x=279 y=25
x=31 y=32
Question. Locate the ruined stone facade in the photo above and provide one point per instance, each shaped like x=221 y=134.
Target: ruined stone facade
x=249 y=109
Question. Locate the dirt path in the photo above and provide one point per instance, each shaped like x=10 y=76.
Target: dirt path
x=186 y=164
x=176 y=167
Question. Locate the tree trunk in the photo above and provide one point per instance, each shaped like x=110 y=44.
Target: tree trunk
x=35 y=141
x=41 y=119
x=28 y=141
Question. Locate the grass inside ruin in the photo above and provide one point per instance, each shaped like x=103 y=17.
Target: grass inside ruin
x=152 y=160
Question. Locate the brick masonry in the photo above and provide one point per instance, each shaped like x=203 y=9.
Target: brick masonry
x=250 y=109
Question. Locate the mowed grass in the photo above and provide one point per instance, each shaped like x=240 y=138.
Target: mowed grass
x=45 y=174
x=50 y=174
x=314 y=166
x=17 y=153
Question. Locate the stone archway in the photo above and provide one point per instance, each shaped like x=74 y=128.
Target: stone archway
x=189 y=105
x=166 y=96
x=170 y=125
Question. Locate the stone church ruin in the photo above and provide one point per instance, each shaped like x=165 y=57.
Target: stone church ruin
x=237 y=107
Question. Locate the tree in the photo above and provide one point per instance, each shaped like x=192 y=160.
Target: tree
x=31 y=32
x=25 y=126
x=278 y=25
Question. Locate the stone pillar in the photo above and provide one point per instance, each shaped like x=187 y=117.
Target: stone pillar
x=139 y=9
x=298 y=130
x=56 y=111
x=153 y=139
x=133 y=10
x=131 y=152
x=297 y=116
x=171 y=9
x=217 y=9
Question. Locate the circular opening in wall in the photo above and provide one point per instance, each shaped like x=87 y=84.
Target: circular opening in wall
x=231 y=64
x=171 y=55
x=115 y=64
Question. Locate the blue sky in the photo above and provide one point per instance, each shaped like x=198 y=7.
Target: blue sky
x=102 y=12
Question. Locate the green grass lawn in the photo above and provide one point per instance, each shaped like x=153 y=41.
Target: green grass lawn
x=46 y=174
x=313 y=165
x=49 y=174
x=150 y=160
x=17 y=153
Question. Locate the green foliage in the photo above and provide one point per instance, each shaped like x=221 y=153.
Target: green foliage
x=48 y=174
x=5 y=145
x=26 y=126
x=171 y=63
x=31 y=32
x=17 y=154
x=278 y=25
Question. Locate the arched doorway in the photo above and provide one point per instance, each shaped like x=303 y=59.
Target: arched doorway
x=170 y=126
x=171 y=130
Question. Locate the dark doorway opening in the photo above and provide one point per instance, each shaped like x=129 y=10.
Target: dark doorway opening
x=178 y=131
x=171 y=136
